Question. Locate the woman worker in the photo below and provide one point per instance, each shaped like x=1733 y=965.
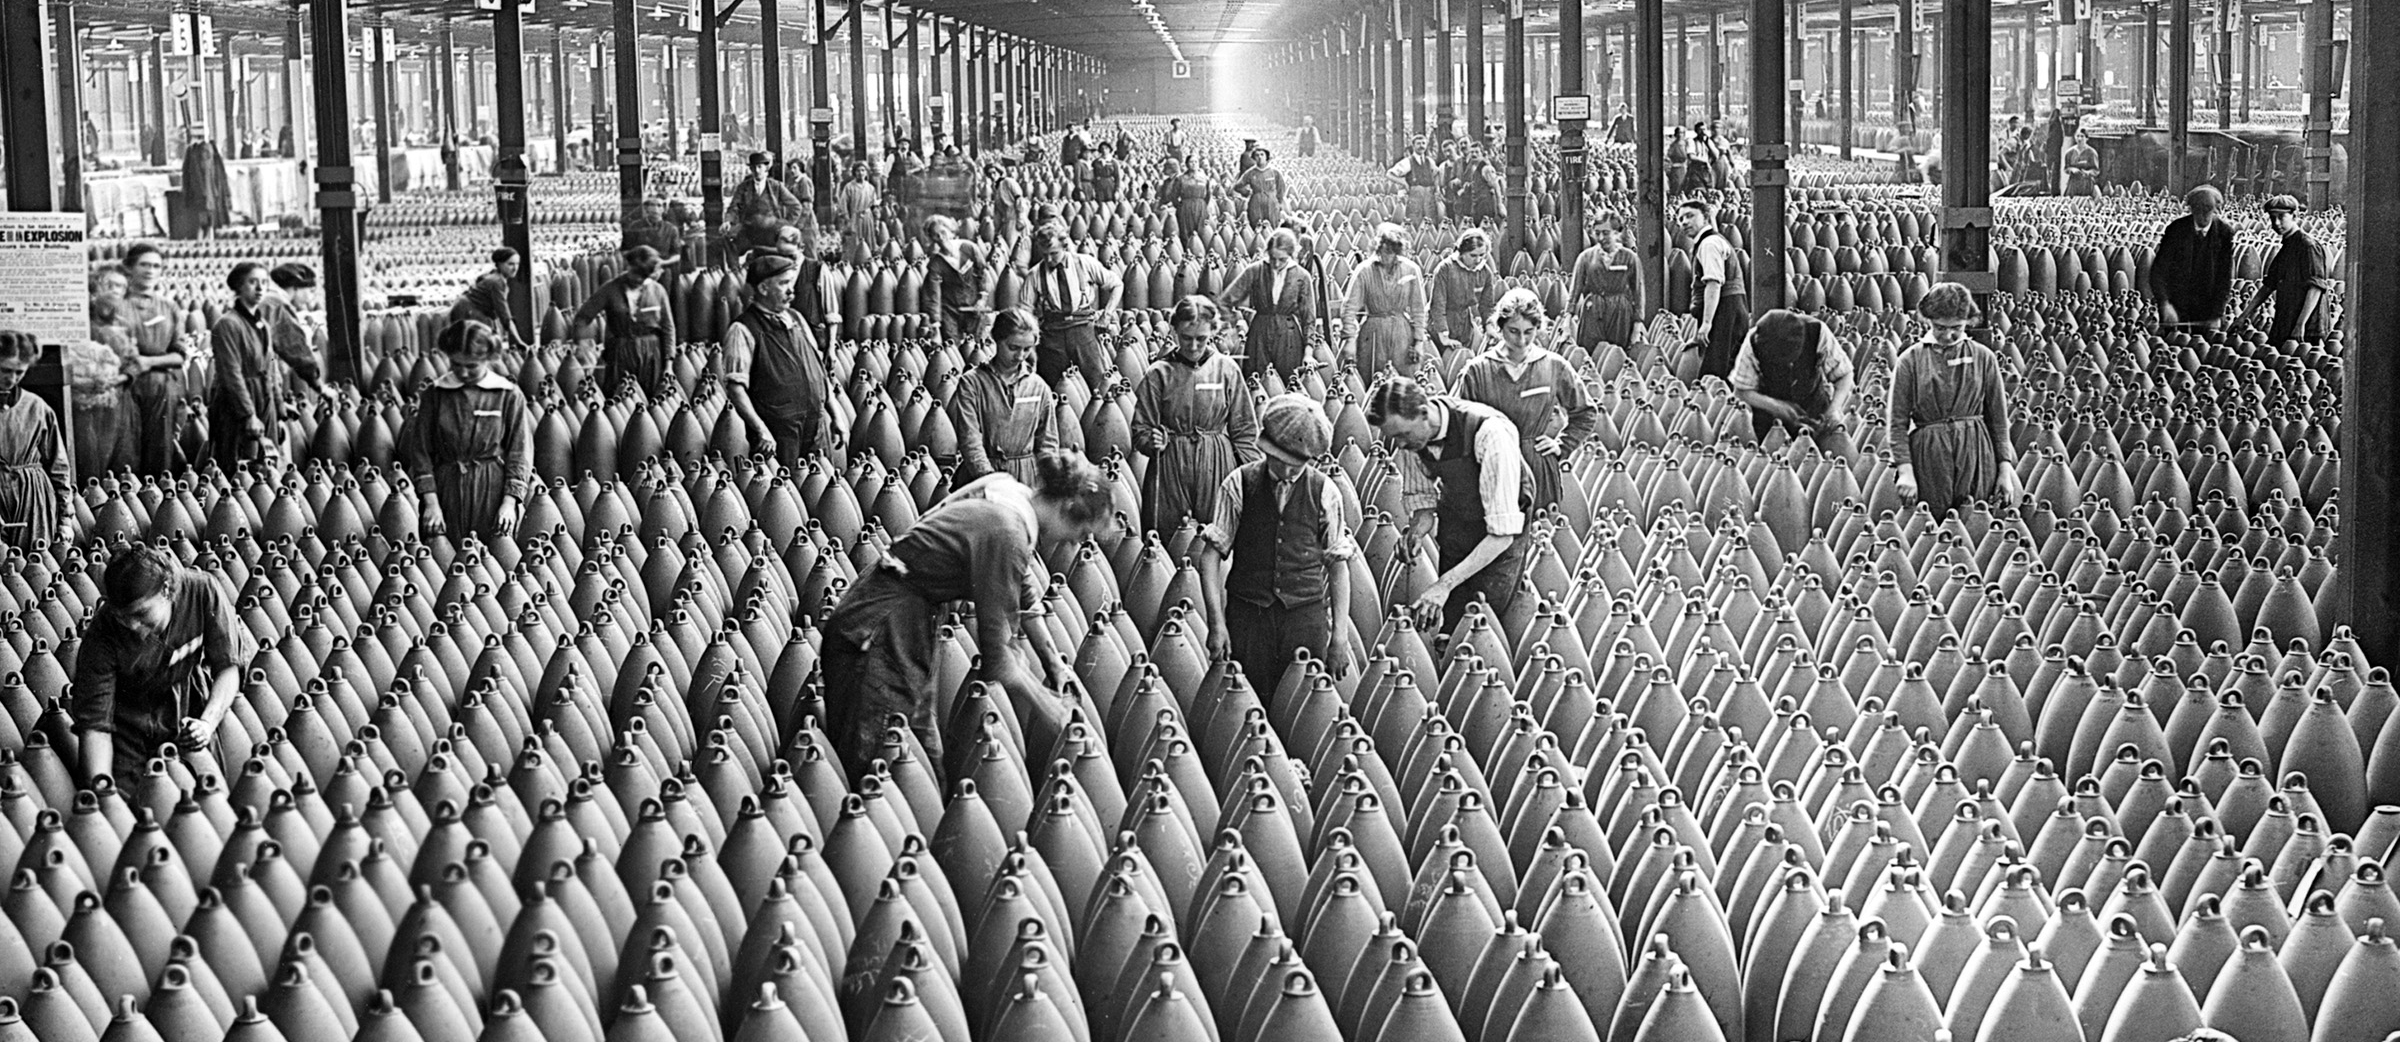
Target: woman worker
x=1949 y=411
x=35 y=478
x=1282 y=299
x=1194 y=418
x=1463 y=290
x=980 y=545
x=641 y=327
x=1002 y=409
x=469 y=448
x=1387 y=307
x=1522 y=379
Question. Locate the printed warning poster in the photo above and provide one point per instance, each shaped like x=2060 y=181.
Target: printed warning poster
x=42 y=276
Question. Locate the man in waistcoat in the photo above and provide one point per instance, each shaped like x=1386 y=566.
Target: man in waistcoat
x=1279 y=549
x=1465 y=485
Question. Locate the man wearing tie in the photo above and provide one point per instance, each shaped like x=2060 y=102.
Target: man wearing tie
x=1076 y=298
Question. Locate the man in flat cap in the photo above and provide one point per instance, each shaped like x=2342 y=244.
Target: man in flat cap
x=1285 y=526
x=2297 y=280
x=773 y=370
x=761 y=205
x=2192 y=275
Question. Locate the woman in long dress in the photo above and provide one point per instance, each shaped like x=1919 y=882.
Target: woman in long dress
x=1606 y=290
x=1282 y=297
x=469 y=447
x=1002 y=409
x=1524 y=380
x=1187 y=190
x=1949 y=411
x=1194 y=418
x=1463 y=290
x=981 y=545
x=35 y=476
x=1387 y=305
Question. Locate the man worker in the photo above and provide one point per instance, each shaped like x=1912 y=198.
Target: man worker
x=1075 y=297
x=1465 y=484
x=2297 y=280
x=761 y=205
x=773 y=370
x=1279 y=545
x=1720 y=290
x=2192 y=274
x=160 y=666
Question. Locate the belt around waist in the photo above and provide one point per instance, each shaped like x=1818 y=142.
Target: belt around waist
x=1952 y=421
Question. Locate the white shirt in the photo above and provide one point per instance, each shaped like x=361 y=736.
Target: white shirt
x=1496 y=451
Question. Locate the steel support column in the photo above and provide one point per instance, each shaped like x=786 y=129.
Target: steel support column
x=1716 y=66
x=562 y=100
x=630 y=177
x=158 y=102
x=1477 y=123
x=1967 y=147
x=2222 y=73
x=820 y=113
x=1418 y=104
x=1904 y=79
x=1512 y=79
x=2366 y=589
x=68 y=82
x=25 y=118
x=2250 y=68
x=1769 y=150
x=2150 y=62
x=770 y=94
x=1396 y=60
x=1445 y=101
x=1570 y=134
x=599 y=78
x=671 y=93
x=917 y=87
x=885 y=79
x=2179 y=98
x=2321 y=89
x=447 y=76
x=960 y=92
x=379 y=68
x=712 y=129
x=855 y=22
x=1683 y=71
x=1650 y=132
x=509 y=180
x=291 y=79
x=337 y=198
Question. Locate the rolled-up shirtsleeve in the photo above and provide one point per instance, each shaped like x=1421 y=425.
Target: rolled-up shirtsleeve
x=1503 y=465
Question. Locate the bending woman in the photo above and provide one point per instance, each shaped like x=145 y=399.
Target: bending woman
x=982 y=546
